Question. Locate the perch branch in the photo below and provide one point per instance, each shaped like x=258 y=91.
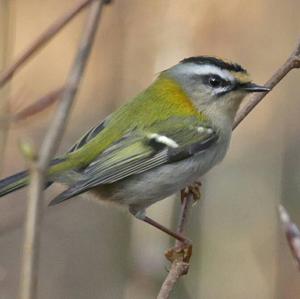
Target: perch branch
x=178 y=269
x=291 y=63
x=177 y=265
x=292 y=233
x=180 y=265
x=41 y=40
x=28 y=283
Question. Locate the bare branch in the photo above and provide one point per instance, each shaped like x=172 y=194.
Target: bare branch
x=29 y=275
x=39 y=105
x=181 y=253
x=178 y=269
x=291 y=63
x=292 y=233
x=41 y=40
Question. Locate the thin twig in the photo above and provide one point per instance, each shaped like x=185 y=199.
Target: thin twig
x=186 y=201
x=32 y=109
x=292 y=233
x=28 y=284
x=291 y=63
x=179 y=266
x=41 y=40
x=38 y=106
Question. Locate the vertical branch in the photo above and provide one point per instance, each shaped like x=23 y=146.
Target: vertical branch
x=5 y=47
x=178 y=269
x=180 y=254
x=28 y=283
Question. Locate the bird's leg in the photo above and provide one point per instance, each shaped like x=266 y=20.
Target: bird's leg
x=140 y=214
x=183 y=248
x=182 y=251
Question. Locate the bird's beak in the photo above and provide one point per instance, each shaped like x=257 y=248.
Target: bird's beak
x=252 y=87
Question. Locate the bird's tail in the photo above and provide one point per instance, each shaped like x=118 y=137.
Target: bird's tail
x=21 y=179
x=13 y=183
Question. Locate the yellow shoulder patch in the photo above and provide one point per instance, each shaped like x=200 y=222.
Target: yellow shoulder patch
x=172 y=92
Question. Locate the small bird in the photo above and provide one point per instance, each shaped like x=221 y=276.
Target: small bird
x=155 y=145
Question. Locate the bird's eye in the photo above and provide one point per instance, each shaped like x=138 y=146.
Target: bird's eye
x=215 y=81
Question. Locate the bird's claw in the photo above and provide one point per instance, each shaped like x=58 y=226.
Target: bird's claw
x=181 y=252
x=193 y=189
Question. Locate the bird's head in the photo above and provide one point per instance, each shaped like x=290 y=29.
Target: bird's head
x=215 y=86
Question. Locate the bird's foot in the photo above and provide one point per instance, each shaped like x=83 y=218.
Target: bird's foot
x=180 y=252
x=193 y=189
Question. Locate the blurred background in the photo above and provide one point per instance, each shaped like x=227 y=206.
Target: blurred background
x=94 y=251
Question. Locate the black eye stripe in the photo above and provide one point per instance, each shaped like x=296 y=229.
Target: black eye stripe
x=215 y=81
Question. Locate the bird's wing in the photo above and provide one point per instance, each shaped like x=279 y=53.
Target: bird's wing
x=88 y=136
x=138 y=152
